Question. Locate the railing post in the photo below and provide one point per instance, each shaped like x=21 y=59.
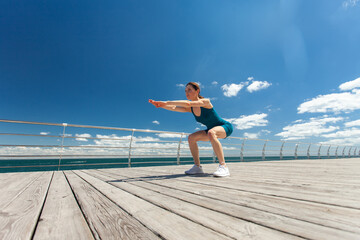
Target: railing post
x=355 y=152
x=178 y=152
x=296 y=148
x=263 y=150
x=336 y=152
x=131 y=140
x=328 y=152
x=349 y=152
x=281 y=150
x=343 y=152
x=319 y=156
x=242 y=150
x=308 y=151
x=62 y=145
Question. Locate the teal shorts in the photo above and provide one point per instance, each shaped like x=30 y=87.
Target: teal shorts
x=227 y=127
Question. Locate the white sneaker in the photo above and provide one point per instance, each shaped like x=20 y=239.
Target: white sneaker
x=195 y=170
x=222 y=171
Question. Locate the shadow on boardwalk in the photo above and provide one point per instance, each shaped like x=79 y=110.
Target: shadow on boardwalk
x=162 y=177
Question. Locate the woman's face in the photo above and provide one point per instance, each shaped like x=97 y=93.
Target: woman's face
x=191 y=93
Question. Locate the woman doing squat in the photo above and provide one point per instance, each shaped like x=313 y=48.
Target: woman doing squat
x=203 y=111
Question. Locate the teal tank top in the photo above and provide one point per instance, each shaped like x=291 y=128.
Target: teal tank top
x=209 y=118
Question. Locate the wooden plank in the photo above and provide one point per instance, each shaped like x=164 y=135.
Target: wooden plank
x=255 y=208
x=105 y=218
x=305 y=167
x=315 y=184
x=337 y=198
x=19 y=218
x=350 y=166
x=61 y=217
x=331 y=216
x=305 y=172
x=336 y=183
x=228 y=225
x=8 y=178
x=258 y=195
x=13 y=184
x=167 y=224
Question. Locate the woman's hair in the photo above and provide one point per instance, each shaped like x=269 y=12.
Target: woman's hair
x=196 y=87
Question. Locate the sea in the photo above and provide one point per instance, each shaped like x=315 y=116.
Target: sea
x=28 y=165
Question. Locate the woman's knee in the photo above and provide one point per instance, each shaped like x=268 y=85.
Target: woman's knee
x=212 y=134
x=192 y=138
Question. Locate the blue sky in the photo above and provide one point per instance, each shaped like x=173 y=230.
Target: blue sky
x=276 y=69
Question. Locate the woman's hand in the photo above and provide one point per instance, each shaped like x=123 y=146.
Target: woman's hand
x=153 y=102
x=168 y=106
x=157 y=103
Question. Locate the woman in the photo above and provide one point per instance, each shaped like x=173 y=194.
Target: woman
x=204 y=113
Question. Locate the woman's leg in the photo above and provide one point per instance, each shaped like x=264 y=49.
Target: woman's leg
x=192 y=140
x=213 y=135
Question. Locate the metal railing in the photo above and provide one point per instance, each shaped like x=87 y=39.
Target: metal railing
x=111 y=150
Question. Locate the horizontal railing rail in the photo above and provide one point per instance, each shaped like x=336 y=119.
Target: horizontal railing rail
x=134 y=150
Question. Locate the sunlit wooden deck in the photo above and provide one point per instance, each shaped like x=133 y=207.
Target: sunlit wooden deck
x=303 y=199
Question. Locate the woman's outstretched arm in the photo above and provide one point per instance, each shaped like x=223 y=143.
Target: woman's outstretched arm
x=204 y=102
x=161 y=104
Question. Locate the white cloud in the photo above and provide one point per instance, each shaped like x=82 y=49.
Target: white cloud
x=82 y=137
x=110 y=146
x=350 y=3
x=145 y=139
x=231 y=90
x=140 y=145
x=344 y=142
x=348 y=137
x=258 y=85
x=156 y=122
x=250 y=121
x=353 y=123
x=251 y=135
x=356 y=91
x=169 y=135
x=350 y=85
x=118 y=146
x=44 y=133
x=214 y=83
x=266 y=131
x=315 y=127
x=270 y=109
x=335 y=102
x=115 y=140
x=256 y=135
x=348 y=133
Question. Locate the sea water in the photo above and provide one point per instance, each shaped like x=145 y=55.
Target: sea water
x=26 y=165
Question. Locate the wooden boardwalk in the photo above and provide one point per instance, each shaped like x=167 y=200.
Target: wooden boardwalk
x=302 y=199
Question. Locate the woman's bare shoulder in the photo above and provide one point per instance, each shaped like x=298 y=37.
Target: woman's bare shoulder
x=207 y=103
